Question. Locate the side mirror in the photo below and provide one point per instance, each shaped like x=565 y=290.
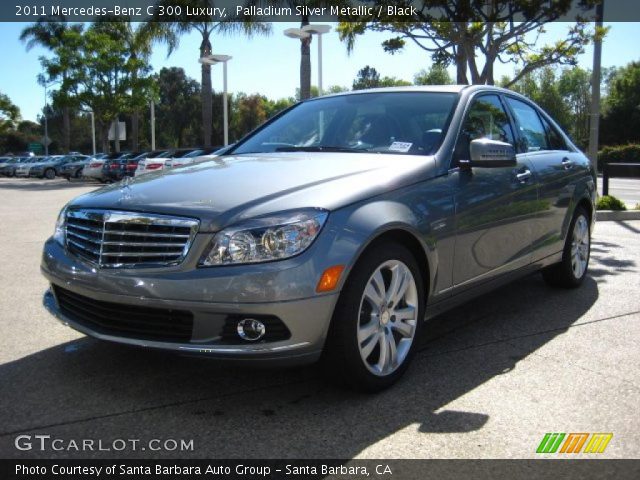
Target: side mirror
x=492 y=153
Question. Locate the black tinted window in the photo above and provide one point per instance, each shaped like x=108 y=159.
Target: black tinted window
x=394 y=122
x=486 y=118
x=532 y=132
x=555 y=139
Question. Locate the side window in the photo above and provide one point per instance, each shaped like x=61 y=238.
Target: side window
x=486 y=118
x=556 y=141
x=532 y=132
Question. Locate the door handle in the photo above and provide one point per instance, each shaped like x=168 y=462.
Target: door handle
x=524 y=176
x=567 y=163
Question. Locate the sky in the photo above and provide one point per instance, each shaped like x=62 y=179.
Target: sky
x=270 y=65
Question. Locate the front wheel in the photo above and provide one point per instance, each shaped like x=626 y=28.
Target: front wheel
x=377 y=320
x=50 y=174
x=572 y=270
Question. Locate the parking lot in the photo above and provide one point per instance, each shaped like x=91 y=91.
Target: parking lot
x=491 y=378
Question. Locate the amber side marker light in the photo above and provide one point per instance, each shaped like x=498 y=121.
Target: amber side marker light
x=330 y=278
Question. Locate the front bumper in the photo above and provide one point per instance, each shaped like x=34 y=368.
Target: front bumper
x=307 y=319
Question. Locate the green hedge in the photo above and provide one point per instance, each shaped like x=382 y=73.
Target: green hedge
x=619 y=154
x=609 y=202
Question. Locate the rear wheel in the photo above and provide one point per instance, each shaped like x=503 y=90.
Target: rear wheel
x=572 y=270
x=377 y=320
x=49 y=174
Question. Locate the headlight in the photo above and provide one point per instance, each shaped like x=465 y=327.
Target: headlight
x=59 y=233
x=265 y=239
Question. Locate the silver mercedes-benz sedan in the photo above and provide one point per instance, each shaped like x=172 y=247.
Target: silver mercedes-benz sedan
x=331 y=232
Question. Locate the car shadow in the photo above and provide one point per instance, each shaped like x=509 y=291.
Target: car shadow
x=35 y=184
x=90 y=389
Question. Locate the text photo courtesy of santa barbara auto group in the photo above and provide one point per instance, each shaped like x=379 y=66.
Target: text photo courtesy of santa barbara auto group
x=319 y=239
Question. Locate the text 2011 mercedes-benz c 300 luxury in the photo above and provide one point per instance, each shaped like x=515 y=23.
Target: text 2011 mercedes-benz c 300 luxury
x=332 y=231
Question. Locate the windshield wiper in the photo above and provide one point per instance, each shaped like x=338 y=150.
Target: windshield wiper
x=319 y=148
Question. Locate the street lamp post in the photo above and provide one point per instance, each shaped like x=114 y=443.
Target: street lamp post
x=93 y=132
x=306 y=32
x=46 y=124
x=153 y=125
x=212 y=60
x=318 y=30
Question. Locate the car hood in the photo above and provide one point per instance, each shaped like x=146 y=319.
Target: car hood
x=228 y=189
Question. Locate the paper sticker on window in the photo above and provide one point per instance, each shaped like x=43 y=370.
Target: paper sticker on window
x=400 y=147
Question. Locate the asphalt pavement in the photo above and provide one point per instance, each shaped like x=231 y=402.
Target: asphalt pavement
x=490 y=379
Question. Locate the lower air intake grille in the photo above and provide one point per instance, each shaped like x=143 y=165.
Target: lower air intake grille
x=126 y=320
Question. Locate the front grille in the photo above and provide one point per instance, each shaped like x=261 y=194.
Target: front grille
x=112 y=239
x=126 y=320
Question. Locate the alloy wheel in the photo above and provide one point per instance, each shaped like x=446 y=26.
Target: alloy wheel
x=388 y=317
x=580 y=247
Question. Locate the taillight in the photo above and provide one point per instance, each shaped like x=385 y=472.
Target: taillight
x=131 y=166
x=154 y=166
x=95 y=165
x=114 y=166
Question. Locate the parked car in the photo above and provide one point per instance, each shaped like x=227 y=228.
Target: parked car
x=95 y=169
x=27 y=163
x=51 y=167
x=8 y=168
x=193 y=156
x=125 y=166
x=333 y=238
x=4 y=160
x=74 y=169
x=153 y=164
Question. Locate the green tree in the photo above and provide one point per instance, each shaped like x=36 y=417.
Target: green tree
x=206 y=26
x=50 y=33
x=574 y=85
x=436 y=75
x=462 y=32
x=103 y=76
x=368 y=77
x=178 y=108
x=621 y=119
x=139 y=40
x=9 y=114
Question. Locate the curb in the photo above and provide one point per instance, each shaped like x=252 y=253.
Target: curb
x=617 y=215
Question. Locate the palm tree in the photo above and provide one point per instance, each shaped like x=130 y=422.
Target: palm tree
x=139 y=41
x=208 y=26
x=305 y=43
x=49 y=33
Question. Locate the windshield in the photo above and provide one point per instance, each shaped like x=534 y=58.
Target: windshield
x=195 y=153
x=382 y=122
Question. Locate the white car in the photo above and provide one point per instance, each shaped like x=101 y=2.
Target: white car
x=153 y=163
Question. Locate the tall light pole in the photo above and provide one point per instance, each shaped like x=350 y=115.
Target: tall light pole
x=93 y=132
x=594 y=123
x=153 y=125
x=212 y=60
x=306 y=32
x=46 y=124
x=319 y=30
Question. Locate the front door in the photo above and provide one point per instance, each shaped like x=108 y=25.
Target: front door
x=495 y=207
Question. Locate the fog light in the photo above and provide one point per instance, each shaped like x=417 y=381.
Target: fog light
x=251 y=329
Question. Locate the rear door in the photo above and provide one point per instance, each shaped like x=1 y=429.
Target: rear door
x=553 y=164
x=495 y=206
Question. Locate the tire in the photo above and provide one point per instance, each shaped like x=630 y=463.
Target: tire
x=49 y=174
x=572 y=269
x=362 y=328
